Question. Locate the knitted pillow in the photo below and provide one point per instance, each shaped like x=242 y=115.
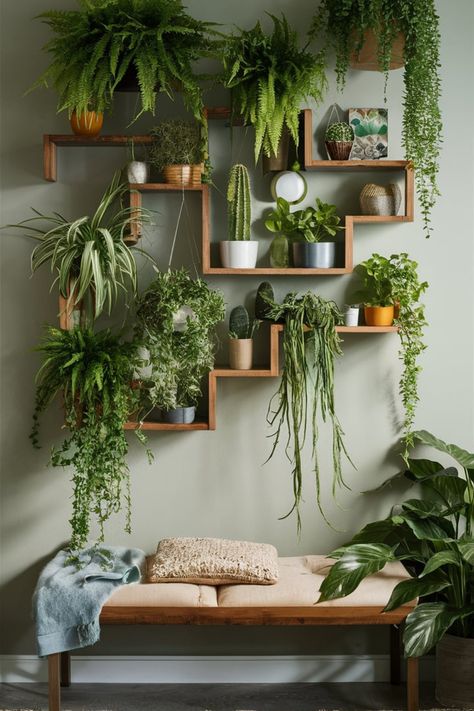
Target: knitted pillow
x=213 y=561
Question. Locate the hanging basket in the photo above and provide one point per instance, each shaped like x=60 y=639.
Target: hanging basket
x=367 y=58
x=339 y=150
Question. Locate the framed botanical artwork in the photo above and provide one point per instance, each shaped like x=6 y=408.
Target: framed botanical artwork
x=370 y=128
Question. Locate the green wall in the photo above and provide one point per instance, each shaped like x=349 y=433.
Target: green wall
x=213 y=483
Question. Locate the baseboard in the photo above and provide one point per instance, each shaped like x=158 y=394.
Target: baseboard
x=210 y=670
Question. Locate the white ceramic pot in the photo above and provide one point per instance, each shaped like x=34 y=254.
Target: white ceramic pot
x=238 y=254
x=137 y=171
x=351 y=315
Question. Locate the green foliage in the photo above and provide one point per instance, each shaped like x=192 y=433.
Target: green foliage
x=306 y=390
x=93 y=48
x=376 y=274
x=270 y=76
x=432 y=536
x=239 y=207
x=339 y=132
x=176 y=143
x=88 y=255
x=93 y=372
x=311 y=224
x=240 y=323
x=341 y=26
x=264 y=298
x=181 y=349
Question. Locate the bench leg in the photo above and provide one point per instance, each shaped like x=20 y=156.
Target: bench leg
x=54 y=676
x=65 y=669
x=413 y=693
x=395 y=654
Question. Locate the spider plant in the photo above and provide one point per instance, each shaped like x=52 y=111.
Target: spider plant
x=88 y=256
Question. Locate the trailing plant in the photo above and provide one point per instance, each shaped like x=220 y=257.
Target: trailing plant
x=269 y=76
x=92 y=372
x=342 y=25
x=176 y=143
x=339 y=132
x=88 y=256
x=176 y=317
x=433 y=537
x=241 y=326
x=376 y=276
x=311 y=224
x=306 y=392
x=239 y=208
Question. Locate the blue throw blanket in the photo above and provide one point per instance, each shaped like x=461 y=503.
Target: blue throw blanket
x=67 y=600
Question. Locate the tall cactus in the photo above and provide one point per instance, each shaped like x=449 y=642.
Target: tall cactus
x=238 y=199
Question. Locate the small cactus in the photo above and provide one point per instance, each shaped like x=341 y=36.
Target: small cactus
x=238 y=199
x=239 y=323
x=339 y=132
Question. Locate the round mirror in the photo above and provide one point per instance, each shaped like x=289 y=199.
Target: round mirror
x=289 y=185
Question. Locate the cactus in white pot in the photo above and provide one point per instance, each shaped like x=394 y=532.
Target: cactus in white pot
x=239 y=251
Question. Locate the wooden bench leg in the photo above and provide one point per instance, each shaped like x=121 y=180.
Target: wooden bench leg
x=65 y=669
x=413 y=693
x=395 y=654
x=54 y=689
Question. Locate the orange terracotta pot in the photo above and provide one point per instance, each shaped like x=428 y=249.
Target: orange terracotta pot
x=378 y=315
x=87 y=124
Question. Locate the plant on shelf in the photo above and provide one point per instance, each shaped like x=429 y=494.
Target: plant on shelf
x=269 y=76
x=88 y=256
x=392 y=283
x=433 y=537
x=137 y=170
x=177 y=151
x=344 y=27
x=176 y=318
x=339 y=139
x=239 y=251
x=241 y=332
x=100 y=45
x=92 y=372
x=306 y=392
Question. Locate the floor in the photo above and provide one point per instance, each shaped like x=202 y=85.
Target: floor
x=216 y=697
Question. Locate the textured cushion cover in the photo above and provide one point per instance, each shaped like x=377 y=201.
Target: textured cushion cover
x=213 y=561
x=163 y=595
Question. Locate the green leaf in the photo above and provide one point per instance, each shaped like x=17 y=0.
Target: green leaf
x=357 y=562
x=425 y=626
x=448 y=557
x=463 y=457
x=409 y=590
x=466 y=548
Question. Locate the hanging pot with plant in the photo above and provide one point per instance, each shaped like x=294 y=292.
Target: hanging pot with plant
x=339 y=139
x=239 y=251
x=176 y=152
x=241 y=332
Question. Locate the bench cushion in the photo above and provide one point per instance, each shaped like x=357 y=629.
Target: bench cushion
x=163 y=595
x=298 y=585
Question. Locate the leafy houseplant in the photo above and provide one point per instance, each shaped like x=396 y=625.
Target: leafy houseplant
x=177 y=151
x=88 y=255
x=176 y=316
x=433 y=537
x=269 y=76
x=93 y=371
x=96 y=47
x=339 y=139
x=241 y=331
x=343 y=27
x=310 y=346
x=239 y=251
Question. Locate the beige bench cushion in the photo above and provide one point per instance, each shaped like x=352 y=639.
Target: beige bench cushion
x=164 y=595
x=299 y=582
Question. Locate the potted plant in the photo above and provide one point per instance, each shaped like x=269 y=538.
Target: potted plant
x=339 y=139
x=176 y=317
x=87 y=123
x=269 y=76
x=92 y=373
x=433 y=537
x=137 y=170
x=98 y=46
x=310 y=347
x=177 y=152
x=344 y=27
x=89 y=256
x=241 y=331
x=376 y=292
x=239 y=251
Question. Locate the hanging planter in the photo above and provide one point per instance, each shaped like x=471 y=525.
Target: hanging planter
x=367 y=58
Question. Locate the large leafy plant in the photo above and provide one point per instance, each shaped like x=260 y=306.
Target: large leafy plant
x=176 y=317
x=92 y=372
x=88 y=256
x=342 y=25
x=269 y=76
x=306 y=393
x=433 y=537
x=311 y=224
x=93 y=48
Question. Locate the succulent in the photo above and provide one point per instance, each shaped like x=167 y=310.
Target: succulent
x=240 y=325
x=263 y=301
x=238 y=199
x=339 y=132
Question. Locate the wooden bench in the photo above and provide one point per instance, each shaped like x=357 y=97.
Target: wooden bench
x=151 y=604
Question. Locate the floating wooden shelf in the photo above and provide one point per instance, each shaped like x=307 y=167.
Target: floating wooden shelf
x=166 y=427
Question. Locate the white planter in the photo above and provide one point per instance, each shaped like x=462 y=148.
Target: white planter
x=238 y=254
x=137 y=171
x=351 y=315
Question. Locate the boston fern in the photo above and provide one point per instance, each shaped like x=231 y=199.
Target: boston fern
x=269 y=76
x=92 y=373
x=341 y=26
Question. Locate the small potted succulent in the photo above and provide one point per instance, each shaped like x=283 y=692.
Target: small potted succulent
x=241 y=330
x=339 y=139
x=239 y=251
x=177 y=152
x=137 y=170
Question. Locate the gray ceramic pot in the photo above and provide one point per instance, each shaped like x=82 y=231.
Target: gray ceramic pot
x=180 y=415
x=309 y=255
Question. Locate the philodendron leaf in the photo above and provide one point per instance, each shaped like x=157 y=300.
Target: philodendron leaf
x=466 y=548
x=422 y=468
x=433 y=529
x=409 y=590
x=423 y=509
x=463 y=457
x=375 y=532
x=357 y=562
x=425 y=626
x=450 y=489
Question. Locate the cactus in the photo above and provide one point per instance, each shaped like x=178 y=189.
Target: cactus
x=238 y=198
x=339 y=132
x=239 y=323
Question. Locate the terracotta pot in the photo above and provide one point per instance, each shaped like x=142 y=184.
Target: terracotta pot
x=183 y=175
x=367 y=58
x=339 y=150
x=87 y=124
x=454 y=677
x=240 y=353
x=378 y=315
x=280 y=161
